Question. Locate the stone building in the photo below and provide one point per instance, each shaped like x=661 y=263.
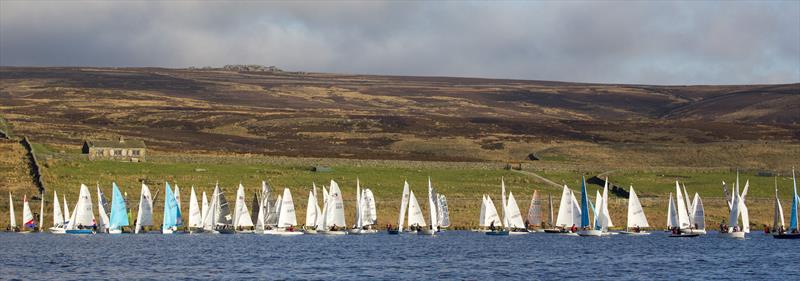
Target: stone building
x=121 y=149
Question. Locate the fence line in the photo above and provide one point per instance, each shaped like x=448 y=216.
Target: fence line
x=36 y=171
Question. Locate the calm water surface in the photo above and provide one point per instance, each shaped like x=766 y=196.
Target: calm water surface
x=451 y=255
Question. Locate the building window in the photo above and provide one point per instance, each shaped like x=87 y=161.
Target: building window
x=118 y=152
x=135 y=152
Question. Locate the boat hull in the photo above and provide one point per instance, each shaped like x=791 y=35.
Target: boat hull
x=733 y=235
x=518 y=232
x=58 y=230
x=80 y=231
x=331 y=232
x=282 y=232
x=684 y=235
x=115 y=231
x=393 y=232
x=632 y=233
x=786 y=236
x=427 y=232
x=554 y=231
x=310 y=231
x=590 y=233
x=363 y=231
x=498 y=233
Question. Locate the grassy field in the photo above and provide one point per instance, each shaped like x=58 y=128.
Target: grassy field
x=462 y=182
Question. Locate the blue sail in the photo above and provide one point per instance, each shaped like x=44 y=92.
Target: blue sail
x=584 y=204
x=170 y=209
x=119 y=213
x=793 y=222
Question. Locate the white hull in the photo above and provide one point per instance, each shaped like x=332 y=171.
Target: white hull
x=696 y=231
x=282 y=232
x=641 y=233
x=427 y=232
x=310 y=231
x=734 y=235
x=518 y=232
x=58 y=230
x=245 y=232
x=363 y=231
x=590 y=233
x=331 y=232
x=115 y=231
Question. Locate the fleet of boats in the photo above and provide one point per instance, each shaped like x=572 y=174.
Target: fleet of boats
x=275 y=215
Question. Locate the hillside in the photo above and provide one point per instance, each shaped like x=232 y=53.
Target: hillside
x=395 y=117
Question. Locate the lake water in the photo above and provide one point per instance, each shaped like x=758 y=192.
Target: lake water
x=451 y=255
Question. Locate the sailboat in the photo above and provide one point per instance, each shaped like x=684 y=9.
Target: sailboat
x=737 y=207
x=698 y=215
x=434 y=225
x=145 y=216
x=334 y=223
x=569 y=213
x=515 y=223
x=218 y=220
x=368 y=215
x=416 y=219
x=28 y=222
x=287 y=220
x=312 y=211
x=195 y=213
x=534 y=217
x=587 y=229
x=172 y=213
x=794 y=227
x=636 y=218
x=490 y=218
x=102 y=210
x=241 y=215
x=119 y=213
x=12 y=222
x=203 y=208
x=82 y=220
x=58 y=217
x=403 y=207
x=778 y=224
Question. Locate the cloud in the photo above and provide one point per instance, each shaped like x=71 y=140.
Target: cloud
x=689 y=42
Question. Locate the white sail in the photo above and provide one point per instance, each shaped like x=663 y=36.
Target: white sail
x=82 y=215
x=195 y=213
x=432 y=206
x=58 y=217
x=369 y=212
x=606 y=214
x=358 y=204
x=322 y=222
x=777 y=218
x=596 y=210
x=27 y=215
x=492 y=217
x=403 y=206
x=12 y=220
x=636 y=215
x=482 y=218
x=102 y=222
x=203 y=208
x=177 y=193
x=689 y=207
x=336 y=207
x=565 y=217
x=576 y=208
x=241 y=215
x=67 y=215
x=503 y=201
x=286 y=217
x=514 y=215
x=698 y=213
x=672 y=215
x=415 y=216
x=443 y=211
x=145 y=216
x=683 y=213
x=535 y=210
x=733 y=217
x=311 y=210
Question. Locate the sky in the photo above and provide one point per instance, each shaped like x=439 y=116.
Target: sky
x=633 y=42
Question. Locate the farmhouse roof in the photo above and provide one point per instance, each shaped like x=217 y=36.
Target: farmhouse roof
x=121 y=143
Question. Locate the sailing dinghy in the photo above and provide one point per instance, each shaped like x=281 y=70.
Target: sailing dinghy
x=287 y=220
x=59 y=224
x=28 y=222
x=172 y=213
x=333 y=223
x=794 y=228
x=195 y=213
x=737 y=211
x=432 y=208
x=119 y=214
x=587 y=228
x=403 y=207
x=366 y=213
x=636 y=218
x=242 y=221
x=313 y=211
x=82 y=220
x=145 y=216
x=533 y=220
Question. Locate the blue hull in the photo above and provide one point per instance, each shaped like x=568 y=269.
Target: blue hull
x=80 y=231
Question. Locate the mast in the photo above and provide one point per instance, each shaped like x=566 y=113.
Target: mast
x=550 y=198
